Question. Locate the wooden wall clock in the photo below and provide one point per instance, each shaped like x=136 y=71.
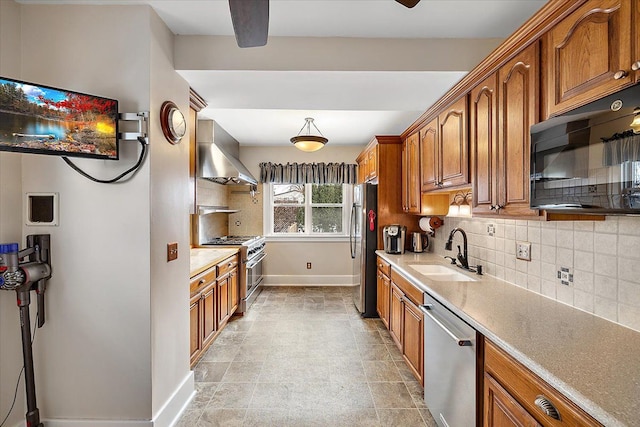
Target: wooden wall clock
x=172 y=121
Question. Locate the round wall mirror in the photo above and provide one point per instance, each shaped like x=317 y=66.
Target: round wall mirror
x=172 y=121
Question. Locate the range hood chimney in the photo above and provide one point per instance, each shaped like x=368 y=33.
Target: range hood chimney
x=215 y=163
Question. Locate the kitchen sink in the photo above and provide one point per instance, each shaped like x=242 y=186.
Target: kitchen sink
x=441 y=273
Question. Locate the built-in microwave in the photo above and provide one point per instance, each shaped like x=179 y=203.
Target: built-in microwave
x=588 y=159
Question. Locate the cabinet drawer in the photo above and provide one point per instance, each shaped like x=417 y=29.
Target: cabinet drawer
x=202 y=279
x=227 y=265
x=526 y=387
x=414 y=294
x=384 y=267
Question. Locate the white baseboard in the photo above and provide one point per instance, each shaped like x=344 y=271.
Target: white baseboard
x=57 y=422
x=171 y=411
x=167 y=416
x=308 y=280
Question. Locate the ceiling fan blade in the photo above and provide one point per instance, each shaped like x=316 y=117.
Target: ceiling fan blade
x=250 y=20
x=408 y=3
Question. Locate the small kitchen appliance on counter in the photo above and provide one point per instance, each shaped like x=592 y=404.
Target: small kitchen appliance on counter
x=419 y=242
x=394 y=237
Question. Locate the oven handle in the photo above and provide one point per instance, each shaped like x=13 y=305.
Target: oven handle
x=462 y=342
x=252 y=263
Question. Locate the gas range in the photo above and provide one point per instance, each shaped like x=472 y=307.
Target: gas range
x=252 y=254
x=254 y=244
x=232 y=240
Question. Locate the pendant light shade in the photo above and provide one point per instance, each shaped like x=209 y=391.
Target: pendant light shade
x=306 y=141
x=635 y=124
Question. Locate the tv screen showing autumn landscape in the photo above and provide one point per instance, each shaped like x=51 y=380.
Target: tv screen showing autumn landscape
x=44 y=120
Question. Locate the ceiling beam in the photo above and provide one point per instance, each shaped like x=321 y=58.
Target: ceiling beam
x=331 y=54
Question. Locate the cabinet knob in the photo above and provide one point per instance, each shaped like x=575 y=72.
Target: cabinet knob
x=621 y=74
x=547 y=407
x=201 y=282
x=635 y=66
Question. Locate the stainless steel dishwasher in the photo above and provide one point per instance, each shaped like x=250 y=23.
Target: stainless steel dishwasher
x=449 y=366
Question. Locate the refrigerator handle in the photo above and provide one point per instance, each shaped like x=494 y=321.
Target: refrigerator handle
x=352 y=232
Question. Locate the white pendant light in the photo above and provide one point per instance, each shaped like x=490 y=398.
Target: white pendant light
x=307 y=142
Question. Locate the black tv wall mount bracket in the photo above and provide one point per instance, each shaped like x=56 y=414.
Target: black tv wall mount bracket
x=142 y=135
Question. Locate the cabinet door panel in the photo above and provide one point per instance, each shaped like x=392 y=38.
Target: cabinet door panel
x=454 y=166
x=518 y=94
x=195 y=317
x=483 y=137
x=383 y=288
x=208 y=313
x=413 y=173
x=413 y=342
x=223 y=300
x=396 y=311
x=234 y=291
x=429 y=156
x=501 y=409
x=585 y=50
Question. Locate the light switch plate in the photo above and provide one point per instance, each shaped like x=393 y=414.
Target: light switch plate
x=523 y=251
x=172 y=251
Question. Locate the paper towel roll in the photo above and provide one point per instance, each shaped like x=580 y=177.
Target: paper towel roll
x=425 y=225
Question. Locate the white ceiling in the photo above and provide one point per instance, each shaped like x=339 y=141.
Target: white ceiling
x=262 y=106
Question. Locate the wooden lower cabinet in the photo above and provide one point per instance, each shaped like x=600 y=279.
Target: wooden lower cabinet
x=413 y=339
x=501 y=409
x=234 y=291
x=406 y=324
x=384 y=289
x=214 y=299
x=195 y=318
x=396 y=312
x=223 y=300
x=515 y=396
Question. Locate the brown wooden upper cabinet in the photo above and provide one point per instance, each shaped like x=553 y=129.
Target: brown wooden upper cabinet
x=368 y=164
x=589 y=54
x=444 y=154
x=502 y=109
x=411 y=174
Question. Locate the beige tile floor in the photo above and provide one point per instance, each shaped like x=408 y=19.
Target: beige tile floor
x=302 y=356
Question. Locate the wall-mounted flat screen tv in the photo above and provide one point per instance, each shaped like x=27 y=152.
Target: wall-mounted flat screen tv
x=44 y=120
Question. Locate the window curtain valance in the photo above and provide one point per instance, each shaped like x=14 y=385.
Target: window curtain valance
x=308 y=173
x=621 y=148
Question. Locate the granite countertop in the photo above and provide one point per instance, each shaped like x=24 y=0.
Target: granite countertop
x=592 y=361
x=203 y=258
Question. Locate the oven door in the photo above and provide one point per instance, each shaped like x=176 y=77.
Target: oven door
x=254 y=273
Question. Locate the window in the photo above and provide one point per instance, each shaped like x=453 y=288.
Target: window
x=307 y=209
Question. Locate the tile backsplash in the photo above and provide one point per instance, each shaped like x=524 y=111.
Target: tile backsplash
x=591 y=265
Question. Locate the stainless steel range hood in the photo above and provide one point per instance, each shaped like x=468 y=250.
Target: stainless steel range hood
x=216 y=164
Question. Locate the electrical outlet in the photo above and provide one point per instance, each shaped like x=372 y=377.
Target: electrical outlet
x=491 y=230
x=523 y=251
x=308 y=266
x=172 y=251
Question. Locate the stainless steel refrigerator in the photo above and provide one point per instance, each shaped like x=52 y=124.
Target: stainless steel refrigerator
x=363 y=240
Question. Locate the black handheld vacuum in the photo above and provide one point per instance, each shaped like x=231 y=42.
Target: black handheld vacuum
x=24 y=271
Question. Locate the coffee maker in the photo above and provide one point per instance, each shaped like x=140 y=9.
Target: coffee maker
x=394 y=237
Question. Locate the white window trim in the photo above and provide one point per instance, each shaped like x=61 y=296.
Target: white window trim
x=307 y=235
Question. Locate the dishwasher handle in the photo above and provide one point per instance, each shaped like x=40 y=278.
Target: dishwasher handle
x=427 y=310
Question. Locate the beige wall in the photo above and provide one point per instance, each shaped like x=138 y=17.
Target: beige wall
x=287 y=260
x=169 y=198
x=10 y=224
x=114 y=350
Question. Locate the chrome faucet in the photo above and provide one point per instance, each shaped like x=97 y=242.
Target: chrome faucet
x=462 y=256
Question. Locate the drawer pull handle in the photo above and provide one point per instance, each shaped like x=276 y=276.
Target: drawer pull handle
x=547 y=407
x=201 y=281
x=635 y=66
